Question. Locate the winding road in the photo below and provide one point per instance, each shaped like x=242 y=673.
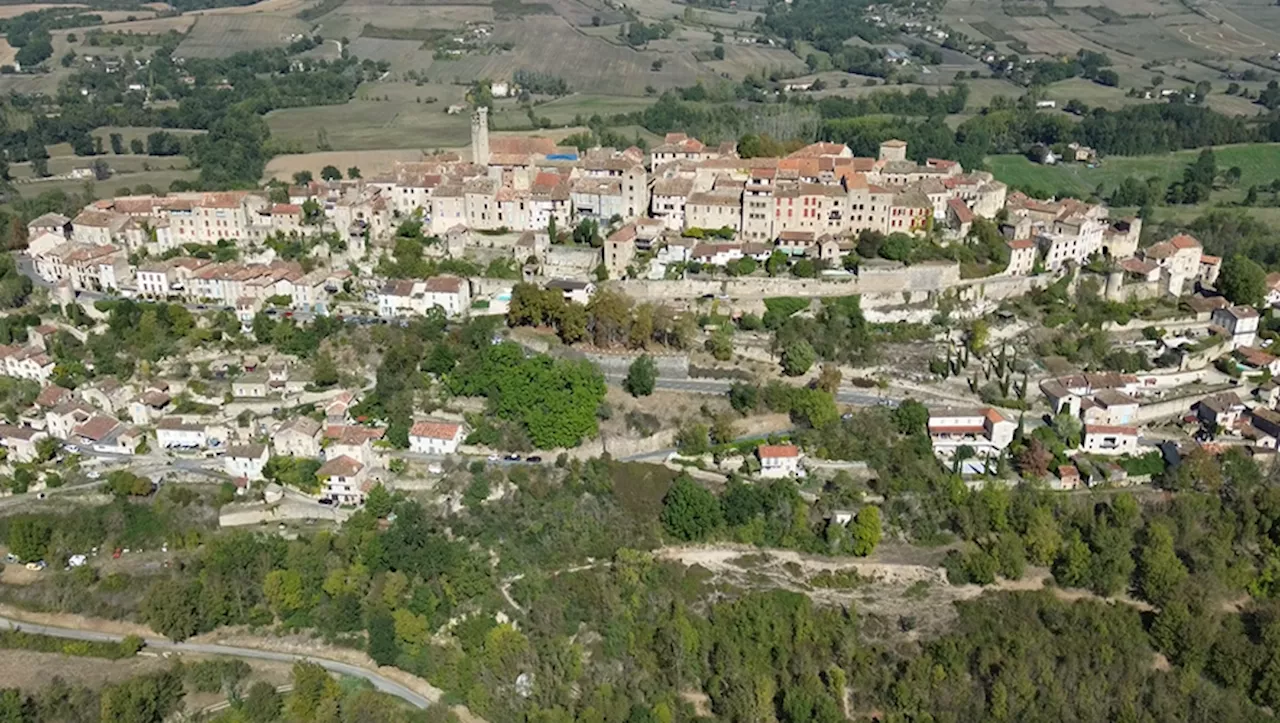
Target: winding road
x=380 y=682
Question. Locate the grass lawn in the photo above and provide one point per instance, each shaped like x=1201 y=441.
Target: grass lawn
x=1259 y=164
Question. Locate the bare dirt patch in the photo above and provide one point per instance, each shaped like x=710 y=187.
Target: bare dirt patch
x=18 y=575
x=909 y=599
x=155 y=26
x=369 y=162
x=30 y=670
x=287 y=7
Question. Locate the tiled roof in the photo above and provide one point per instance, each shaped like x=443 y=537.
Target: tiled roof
x=435 y=430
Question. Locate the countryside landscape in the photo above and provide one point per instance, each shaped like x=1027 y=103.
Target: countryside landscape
x=639 y=361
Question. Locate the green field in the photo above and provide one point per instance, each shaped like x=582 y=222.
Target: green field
x=365 y=125
x=1259 y=164
x=110 y=187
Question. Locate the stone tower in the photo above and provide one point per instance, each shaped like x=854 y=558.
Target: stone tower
x=480 y=136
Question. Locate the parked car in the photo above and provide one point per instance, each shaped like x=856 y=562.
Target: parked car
x=534 y=459
x=325 y=501
x=513 y=458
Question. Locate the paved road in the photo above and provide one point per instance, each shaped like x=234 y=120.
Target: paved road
x=719 y=387
x=383 y=684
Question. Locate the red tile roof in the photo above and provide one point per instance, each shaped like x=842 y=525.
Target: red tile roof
x=343 y=466
x=774 y=451
x=435 y=430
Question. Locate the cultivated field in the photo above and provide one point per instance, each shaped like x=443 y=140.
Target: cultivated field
x=1257 y=162
x=13 y=11
x=590 y=65
x=369 y=162
x=364 y=125
x=219 y=36
x=742 y=60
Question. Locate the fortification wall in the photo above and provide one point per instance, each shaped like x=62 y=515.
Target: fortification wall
x=916 y=281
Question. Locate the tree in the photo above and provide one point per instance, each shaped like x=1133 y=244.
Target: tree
x=587 y=233
x=1160 y=572
x=911 y=417
x=117 y=143
x=641 y=377
x=829 y=377
x=378 y=502
x=743 y=397
x=689 y=511
x=262 y=704
x=864 y=534
x=797 y=358
x=353 y=172
x=331 y=173
x=720 y=344
x=136 y=147
x=145 y=699
x=29 y=538
x=382 y=638
x=172 y=608
x=324 y=371
x=1242 y=280
x=302 y=178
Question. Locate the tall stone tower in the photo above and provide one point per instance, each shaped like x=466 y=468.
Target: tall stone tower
x=480 y=136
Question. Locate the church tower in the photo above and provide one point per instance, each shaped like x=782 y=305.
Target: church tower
x=480 y=136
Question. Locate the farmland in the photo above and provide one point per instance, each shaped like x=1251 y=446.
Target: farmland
x=1257 y=162
x=217 y=36
x=561 y=50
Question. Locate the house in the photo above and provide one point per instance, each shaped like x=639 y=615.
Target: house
x=1258 y=360
x=298 y=437
x=246 y=460
x=1220 y=410
x=1022 y=257
x=435 y=437
x=149 y=407
x=175 y=433
x=1109 y=406
x=253 y=385
x=1109 y=439
x=1068 y=477
x=1238 y=323
x=344 y=480
x=574 y=291
x=1268 y=393
x=335 y=410
x=1273 y=288
x=408 y=297
x=779 y=460
x=985 y=432
x=97 y=430
x=21 y=442
x=351 y=441
x=1267 y=424
x=53 y=395
x=62 y=419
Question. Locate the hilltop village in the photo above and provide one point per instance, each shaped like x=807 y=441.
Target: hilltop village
x=535 y=234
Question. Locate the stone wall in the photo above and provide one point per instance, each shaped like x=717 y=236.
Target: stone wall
x=917 y=282
x=670 y=366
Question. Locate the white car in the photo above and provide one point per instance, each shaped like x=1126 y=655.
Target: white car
x=494 y=458
x=94 y=474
